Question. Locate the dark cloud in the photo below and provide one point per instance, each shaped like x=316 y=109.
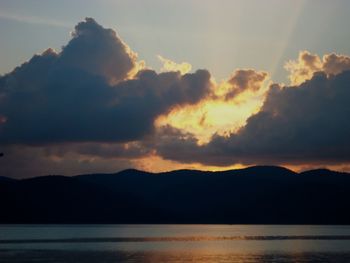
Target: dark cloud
x=68 y=96
x=245 y=79
x=99 y=51
x=298 y=124
x=177 y=145
x=131 y=150
x=25 y=161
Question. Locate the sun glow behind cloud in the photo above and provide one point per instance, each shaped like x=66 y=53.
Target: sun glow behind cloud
x=210 y=117
x=156 y=164
x=217 y=114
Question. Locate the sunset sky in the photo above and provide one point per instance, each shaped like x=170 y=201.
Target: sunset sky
x=100 y=86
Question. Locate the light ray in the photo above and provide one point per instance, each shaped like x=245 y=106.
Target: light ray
x=290 y=29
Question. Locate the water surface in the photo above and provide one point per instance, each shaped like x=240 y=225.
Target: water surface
x=174 y=243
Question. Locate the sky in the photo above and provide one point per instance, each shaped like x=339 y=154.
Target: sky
x=100 y=86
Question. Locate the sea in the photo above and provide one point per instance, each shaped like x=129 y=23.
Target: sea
x=174 y=243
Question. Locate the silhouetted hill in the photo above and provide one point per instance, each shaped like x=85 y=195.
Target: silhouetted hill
x=322 y=172
x=259 y=194
x=3 y=178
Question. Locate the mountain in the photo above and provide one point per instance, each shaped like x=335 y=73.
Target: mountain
x=254 y=195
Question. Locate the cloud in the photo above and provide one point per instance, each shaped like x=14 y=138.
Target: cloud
x=243 y=80
x=130 y=150
x=296 y=125
x=334 y=64
x=169 y=65
x=25 y=161
x=85 y=94
x=174 y=144
x=307 y=64
x=94 y=107
x=98 y=51
x=232 y=101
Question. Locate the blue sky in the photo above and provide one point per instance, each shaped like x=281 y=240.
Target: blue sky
x=217 y=35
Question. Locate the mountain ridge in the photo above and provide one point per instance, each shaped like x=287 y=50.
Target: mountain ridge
x=253 y=195
x=128 y=171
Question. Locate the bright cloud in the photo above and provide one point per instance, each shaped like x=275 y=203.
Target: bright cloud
x=169 y=65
